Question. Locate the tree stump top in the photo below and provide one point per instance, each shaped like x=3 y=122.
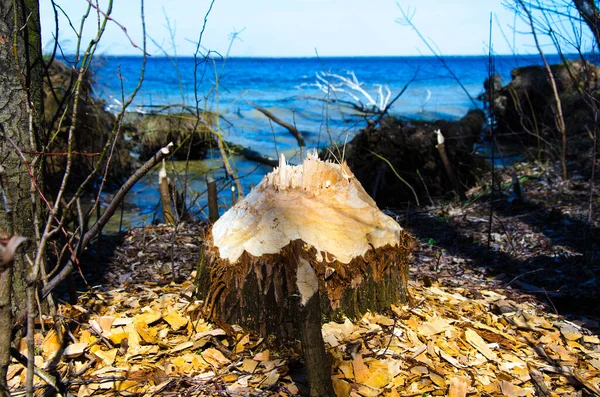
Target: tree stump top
x=318 y=202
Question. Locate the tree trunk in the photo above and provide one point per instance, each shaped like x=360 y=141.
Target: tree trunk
x=21 y=71
x=307 y=244
x=588 y=10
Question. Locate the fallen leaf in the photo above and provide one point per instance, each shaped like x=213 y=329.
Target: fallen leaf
x=510 y=390
x=270 y=379
x=341 y=388
x=262 y=356
x=570 y=332
x=175 y=320
x=459 y=386
x=434 y=327
x=478 y=343
x=361 y=371
x=378 y=379
x=249 y=365
x=105 y=322
x=215 y=357
x=147 y=334
x=149 y=317
x=75 y=350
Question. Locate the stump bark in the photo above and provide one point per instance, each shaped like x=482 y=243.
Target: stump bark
x=307 y=244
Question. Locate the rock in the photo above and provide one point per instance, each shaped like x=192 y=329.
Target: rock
x=409 y=146
x=525 y=107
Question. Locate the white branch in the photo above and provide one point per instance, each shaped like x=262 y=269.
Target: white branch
x=330 y=82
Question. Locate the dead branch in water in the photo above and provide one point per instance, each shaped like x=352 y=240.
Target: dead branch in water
x=293 y=130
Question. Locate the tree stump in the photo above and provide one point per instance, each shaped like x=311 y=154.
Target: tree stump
x=307 y=244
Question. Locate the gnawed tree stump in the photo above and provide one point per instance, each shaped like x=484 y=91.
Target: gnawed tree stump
x=307 y=237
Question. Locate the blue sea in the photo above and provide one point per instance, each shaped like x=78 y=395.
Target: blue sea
x=288 y=88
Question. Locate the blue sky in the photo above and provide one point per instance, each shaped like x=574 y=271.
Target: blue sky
x=299 y=27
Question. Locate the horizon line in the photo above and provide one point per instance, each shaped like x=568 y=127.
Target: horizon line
x=324 y=56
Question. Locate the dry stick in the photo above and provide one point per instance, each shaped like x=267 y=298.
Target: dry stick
x=441 y=147
x=116 y=201
x=558 y=114
x=492 y=99
x=213 y=207
x=50 y=379
x=293 y=130
x=594 y=155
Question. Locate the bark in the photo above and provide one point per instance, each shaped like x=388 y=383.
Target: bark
x=313 y=348
x=21 y=71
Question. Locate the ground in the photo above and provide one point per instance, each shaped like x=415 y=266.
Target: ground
x=506 y=310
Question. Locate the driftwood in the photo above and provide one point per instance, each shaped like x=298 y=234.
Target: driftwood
x=250 y=154
x=304 y=245
x=293 y=130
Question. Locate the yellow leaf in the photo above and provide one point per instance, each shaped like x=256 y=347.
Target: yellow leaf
x=241 y=345
x=341 y=388
x=393 y=393
x=367 y=391
x=175 y=320
x=50 y=345
x=478 y=343
x=419 y=370
x=262 y=356
x=128 y=386
x=148 y=317
x=182 y=346
x=510 y=390
x=107 y=357
x=438 y=380
x=591 y=339
x=148 y=335
x=434 y=327
x=215 y=357
x=458 y=386
x=361 y=371
x=378 y=379
x=249 y=365
x=117 y=335
x=346 y=368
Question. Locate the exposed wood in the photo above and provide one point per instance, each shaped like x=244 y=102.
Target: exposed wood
x=293 y=130
x=319 y=203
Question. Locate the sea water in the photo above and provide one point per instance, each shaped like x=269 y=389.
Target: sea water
x=432 y=89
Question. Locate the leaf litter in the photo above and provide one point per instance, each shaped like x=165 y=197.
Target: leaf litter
x=465 y=333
